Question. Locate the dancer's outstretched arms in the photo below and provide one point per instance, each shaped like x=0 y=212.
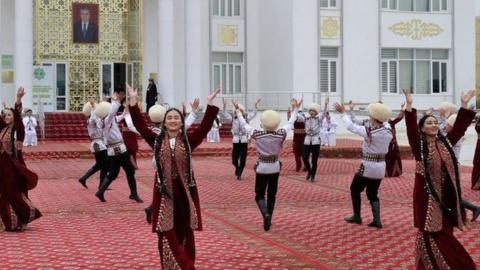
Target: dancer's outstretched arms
x=412 y=125
x=17 y=116
x=243 y=123
x=324 y=112
x=192 y=116
x=464 y=118
x=196 y=137
x=225 y=114
x=293 y=117
x=352 y=127
x=254 y=112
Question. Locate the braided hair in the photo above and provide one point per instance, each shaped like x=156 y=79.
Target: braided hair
x=424 y=158
x=157 y=147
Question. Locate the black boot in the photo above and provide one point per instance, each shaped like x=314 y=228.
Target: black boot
x=267 y=218
x=376 y=215
x=356 y=218
x=83 y=179
x=132 y=184
x=312 y=178
x=101 y=191
x=470 y=206
x=148 y=214
x=308 y=176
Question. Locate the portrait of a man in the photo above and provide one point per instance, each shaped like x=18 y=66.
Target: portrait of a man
x=85 y=23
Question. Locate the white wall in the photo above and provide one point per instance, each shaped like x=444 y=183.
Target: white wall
x=361 y=50
x=7 y=45
x=150 y=40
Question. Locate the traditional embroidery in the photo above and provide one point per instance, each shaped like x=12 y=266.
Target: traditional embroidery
x=421 y=256
x=437 y=254
x=13 y=218
x=168 y=259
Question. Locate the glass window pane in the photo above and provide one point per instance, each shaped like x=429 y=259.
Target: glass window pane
x=323 y=3
x=61 y=80
x=389 y=54
x=393 y=4
x=106 y=79
x=393 y=77
x=216 y=78
x=405 y=53
x=235 y=57
x=216 y=7
x=224 y=76
x=219 y=57
x=422 y=77
x=238 y=79
x=439 y=54
x=333 y=76
x=331 y=52
x=61 y=104
x=324 y=75
x=384 y=77
x=444 y=5
x=406 y=75
x=236 y=7
x=230 y=78
x=423 y=54
x=444 y=78
x=222 y=7
x=384 y=3
x=422 y=5
x=435 y=5
x=333 y=3
x=405 y=5
x=229 y=7
x=435 y=77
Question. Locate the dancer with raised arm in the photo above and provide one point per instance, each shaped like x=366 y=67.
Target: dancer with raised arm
x=437 y=199
x=268 y=142
x=176 y=206
x=16 y=209
x=298 y=139
x=476 y=157
x=393 y=158
x=377 y=136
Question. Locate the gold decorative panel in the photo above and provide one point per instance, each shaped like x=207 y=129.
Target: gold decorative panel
x=120 y=40
x=416 y=29
x=330 y=27
x=227 y=35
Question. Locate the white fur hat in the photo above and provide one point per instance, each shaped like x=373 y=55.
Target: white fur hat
x=314 y=107
x=102 y=109
x=87 y=109
x=270 y=120
x=451 y=120
x=379 y=112
x=157 y=113
x=448 y=106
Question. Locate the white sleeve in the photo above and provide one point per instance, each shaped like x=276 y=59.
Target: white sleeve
x=289 y=125
x=251 y=115
x=354 y=119
x=113 y=111
x=190 y=120
x=300 y=117
x=34 y=122
x=243 y=123
x=25 y=121
x=227 y=116
x=354 y=128
x=131 y=127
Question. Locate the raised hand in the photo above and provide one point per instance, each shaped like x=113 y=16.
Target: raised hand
x=466 y=97
x=212 y=96
x=339 y=107
x=257 y=102
x=402 y=106
x=235 y=104
x=132 y=94
x=327 y=100
x=195 y=104
x=429 y=111
x=408 y=99
x=4 y=105
x=351 y=105
x=20 y=94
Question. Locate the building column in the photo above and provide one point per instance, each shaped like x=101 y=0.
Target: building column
x=197 y=66
x=166 y=40
x=1 y=53
x=23 y=58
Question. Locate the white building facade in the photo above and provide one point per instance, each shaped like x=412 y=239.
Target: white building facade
x=363 y=51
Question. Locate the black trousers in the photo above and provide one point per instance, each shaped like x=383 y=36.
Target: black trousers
x=101 y=164
x=239 y=157
x=359 y=183
x=314 y=150
x=266 y=183
x=115 y=162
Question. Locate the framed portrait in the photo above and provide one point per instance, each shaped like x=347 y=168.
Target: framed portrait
x=85 y=19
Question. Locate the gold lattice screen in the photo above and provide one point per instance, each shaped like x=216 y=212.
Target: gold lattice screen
x=120 y=40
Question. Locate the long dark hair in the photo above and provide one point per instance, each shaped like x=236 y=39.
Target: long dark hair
x=13 y=134
x=156 y=150
x=429 y=185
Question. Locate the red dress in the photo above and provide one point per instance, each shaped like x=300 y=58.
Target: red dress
x=176 y=211
x=298 y=140
x=16 y=210
x=436 y=246
x=392 y=159
x=476 y=161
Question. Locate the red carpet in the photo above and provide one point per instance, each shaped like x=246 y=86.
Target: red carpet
x=308 y=232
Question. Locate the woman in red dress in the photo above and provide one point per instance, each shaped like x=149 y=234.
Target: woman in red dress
x=16 y=210
x=298 y=139
x=476 y=158
x=176 y=205
x=392 y=159
x=437 y=200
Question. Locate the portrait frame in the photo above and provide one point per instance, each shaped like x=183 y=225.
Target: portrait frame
x=88 y=31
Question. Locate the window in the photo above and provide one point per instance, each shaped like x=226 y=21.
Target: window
x=328 y=69
x=416 y=5
x=227 y=71
x=328 y=3
x=422 y=70
x=61 y=93
x=229 y=8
